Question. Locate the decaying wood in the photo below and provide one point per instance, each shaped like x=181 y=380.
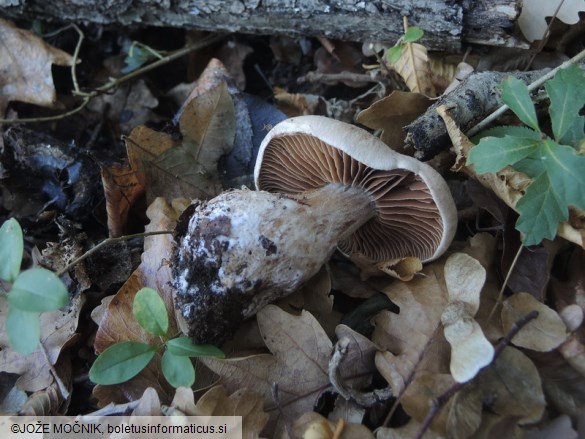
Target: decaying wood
x=446 y=23
x=475 y=98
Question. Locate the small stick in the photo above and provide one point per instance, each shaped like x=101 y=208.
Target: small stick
x=440 y=402
x=106 y=242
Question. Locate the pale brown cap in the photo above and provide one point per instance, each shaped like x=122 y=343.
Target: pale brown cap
x=415 y=212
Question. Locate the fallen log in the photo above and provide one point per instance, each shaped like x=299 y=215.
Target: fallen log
x=447 y=24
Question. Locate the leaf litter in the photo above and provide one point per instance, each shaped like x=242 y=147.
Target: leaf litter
x=444 y=331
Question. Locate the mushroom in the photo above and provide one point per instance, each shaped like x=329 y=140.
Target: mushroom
x=321 y=184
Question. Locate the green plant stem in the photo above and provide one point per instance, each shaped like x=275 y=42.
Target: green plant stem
x=501 y=110
x=106 y=242
x=114 y=82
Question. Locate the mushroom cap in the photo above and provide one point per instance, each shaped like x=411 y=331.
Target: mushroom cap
x=415 y=212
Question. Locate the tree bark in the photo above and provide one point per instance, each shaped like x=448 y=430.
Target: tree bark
x=447 y=23
x=473 y=100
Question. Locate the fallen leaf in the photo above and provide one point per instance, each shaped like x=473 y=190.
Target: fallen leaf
x=406 y=338
x=425 y=388
x=46 y=402
x=187 y=168
x=298 y=104
x=130 y=105
x=392 y=113
x=216 y=402
x=121 y=190
x=563 y=385
x=232 y=54
x=402 y=268
x=497 y=426
x=544 y=333
x=25 y=64
x=557 y=428
x=512 y=387
x=298 y=364
x=312 y=425
x=407 y=431
x=413 y=65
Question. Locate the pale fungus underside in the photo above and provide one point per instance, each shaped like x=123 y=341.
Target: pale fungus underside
x=322 y=184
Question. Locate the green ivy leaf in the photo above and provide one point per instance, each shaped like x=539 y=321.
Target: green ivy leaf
x=24 y=330
x=516 y=96
x=494 y=153
x=120 y=362
x=511 y=130
x=560 y=184
x=567 y=95
x=150 y=311
x=37 y=290
x=184 y=347
x=393 y=54
x=178 y=370
x=540 y=211
x=413 y=34
x=11 y=249
x=566 y=171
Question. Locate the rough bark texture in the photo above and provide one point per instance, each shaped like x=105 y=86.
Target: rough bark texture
x=447 y=23
x=474 y=99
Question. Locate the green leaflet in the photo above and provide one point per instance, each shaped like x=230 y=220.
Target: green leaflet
x=183 y=346
x=178 y=370
x=150 y=312
x=11 y=249
x=120 y=362
x=24 y=330
x=37 y=290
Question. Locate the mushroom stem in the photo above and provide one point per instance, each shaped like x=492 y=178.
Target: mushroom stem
x=244 y=249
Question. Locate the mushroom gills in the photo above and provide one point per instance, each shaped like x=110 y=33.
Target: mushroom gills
x=244 y=249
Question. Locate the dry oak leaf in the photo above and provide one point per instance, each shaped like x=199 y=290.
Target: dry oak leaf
x=298 y=363
x=392 y=113
x=121 y=189
x=187 y=168
x=216 y=402
x=414 y=67
x=25 y=67
x=312 y=425
x=512 y=386
x=407 y=337
x=544 y=333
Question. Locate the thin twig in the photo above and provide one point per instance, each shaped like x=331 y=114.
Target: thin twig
x=115 y=82
x=106 y=242
x=76 y=57
x=493 y=116
x=440 y=402
x=506 y=279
